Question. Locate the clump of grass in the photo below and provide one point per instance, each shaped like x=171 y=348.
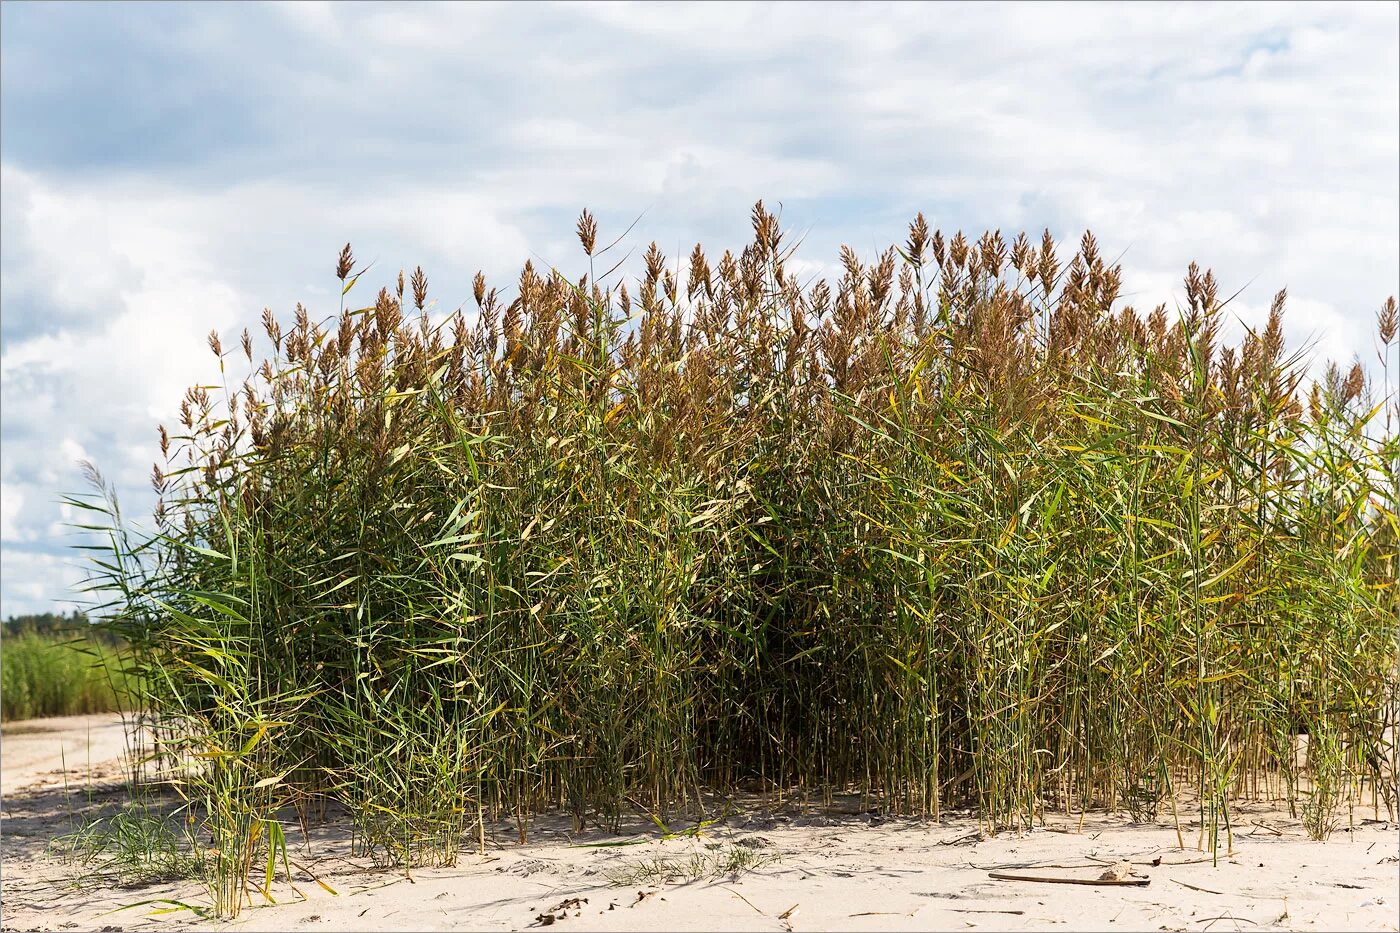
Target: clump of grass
x=58 y=675
x=135 y=846
x=956 y=527
x=729 y=862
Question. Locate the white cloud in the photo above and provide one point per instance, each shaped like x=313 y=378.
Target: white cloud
x=36 y=582
x=154 y=268
x=11 y=501
x=1263 y=141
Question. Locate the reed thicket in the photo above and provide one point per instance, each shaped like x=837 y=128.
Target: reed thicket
x=955 y=529
x=48 y=674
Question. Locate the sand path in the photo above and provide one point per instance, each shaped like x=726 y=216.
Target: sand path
x=36 y=751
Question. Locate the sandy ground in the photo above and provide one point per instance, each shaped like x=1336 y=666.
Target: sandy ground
x=817 y=870
x=35 y=752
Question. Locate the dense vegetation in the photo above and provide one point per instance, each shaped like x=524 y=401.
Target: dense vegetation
x=954 y=529
x=57 y=624
x=57 y=665
x=43 y=623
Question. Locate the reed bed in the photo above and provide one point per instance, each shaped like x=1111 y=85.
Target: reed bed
x=956 y=529
x=48 y=674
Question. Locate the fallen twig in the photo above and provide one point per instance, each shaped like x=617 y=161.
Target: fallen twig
x=974 y=910
x=747 y=901
x=1037 y=865
x=1213 y=920
x=1224 y=893
x=972 y=837
x=1109 y=882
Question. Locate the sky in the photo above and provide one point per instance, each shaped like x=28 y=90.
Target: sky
x=168 y=169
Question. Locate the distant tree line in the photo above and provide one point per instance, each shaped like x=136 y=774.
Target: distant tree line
x=56 y=625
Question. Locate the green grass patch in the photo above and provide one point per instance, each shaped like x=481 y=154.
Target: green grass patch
x=137 y=845
x=717 y=861
x=58 y=675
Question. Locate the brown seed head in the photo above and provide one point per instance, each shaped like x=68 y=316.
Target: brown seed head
x=699 y=272
x=346 y=263
x=993 y=252
x=936 y=244
x=1157 y=322
x=765 y=228
x=918 y=239
x=881 y=277
x=1273 y=332
x=656 y=263
x=420 y=288
x=1201 y=290
x=479 y=288
x=1021 y=253
x=957 y=250
x=1386 y=321
x=851 y=261
x=345 y=334
x=820 y=298
x=274 y=330
x=1049 y=265
x=215 y=344
x=1089 y=248
x=587 y=231
x=1356 y=382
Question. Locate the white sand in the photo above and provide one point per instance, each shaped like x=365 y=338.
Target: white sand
x=35 y=751
x=825 y=870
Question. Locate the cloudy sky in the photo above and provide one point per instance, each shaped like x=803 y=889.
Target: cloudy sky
x=172 y=168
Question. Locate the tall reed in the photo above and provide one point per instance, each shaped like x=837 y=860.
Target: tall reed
x=956 y=528
x=48 y=674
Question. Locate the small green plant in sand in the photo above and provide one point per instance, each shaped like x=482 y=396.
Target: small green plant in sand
x=727 y=861
x=138 y=845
